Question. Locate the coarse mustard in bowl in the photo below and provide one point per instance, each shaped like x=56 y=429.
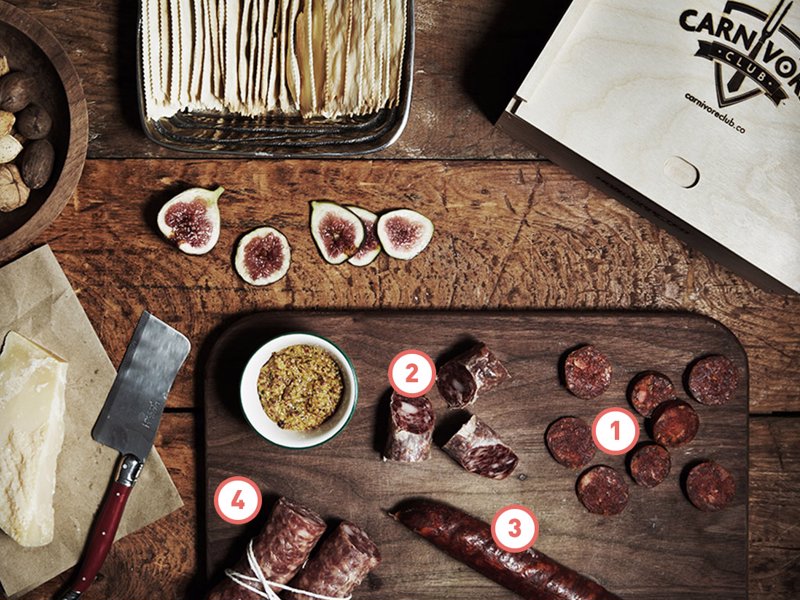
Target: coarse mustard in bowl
x=299 y=390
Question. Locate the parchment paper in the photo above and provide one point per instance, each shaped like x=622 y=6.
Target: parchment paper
x=37 y=301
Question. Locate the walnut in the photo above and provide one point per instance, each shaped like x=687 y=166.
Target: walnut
x=13 y=191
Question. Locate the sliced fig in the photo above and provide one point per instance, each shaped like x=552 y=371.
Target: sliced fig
x=370 y=247
x=338 y=232
x=191 y=220
x=263 y=256
x=404 y=233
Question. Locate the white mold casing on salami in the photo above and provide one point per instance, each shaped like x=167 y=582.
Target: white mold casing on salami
x=478 y=449
x=462 y=379
x=411 y=423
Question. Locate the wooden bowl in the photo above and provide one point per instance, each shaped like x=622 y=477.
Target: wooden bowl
x=30 y=47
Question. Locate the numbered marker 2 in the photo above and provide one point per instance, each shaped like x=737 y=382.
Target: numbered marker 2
x=237 y=500
x=515 y=528
x=615 y=431
x=412 y=373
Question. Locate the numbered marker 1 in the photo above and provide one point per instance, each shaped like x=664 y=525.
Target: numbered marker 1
x=237 y=500
x=515 y=528
x=412 y=373
x=615 y=431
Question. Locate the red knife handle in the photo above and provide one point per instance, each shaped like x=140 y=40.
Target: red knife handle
x=105 y=525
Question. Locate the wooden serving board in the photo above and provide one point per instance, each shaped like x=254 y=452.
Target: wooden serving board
x=660 y=547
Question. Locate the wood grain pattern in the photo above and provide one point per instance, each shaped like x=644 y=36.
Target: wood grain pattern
x=346 y=478
x=508 y=235
x=31 y=48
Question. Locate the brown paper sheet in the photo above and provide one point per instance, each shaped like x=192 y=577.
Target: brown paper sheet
x=36 y=300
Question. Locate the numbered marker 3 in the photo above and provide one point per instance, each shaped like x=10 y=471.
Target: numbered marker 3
x=615 y=431
x=237 y=500
x=412 y=373
x=515 y=528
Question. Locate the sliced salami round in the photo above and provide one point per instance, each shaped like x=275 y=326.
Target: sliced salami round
x=339 y=566
x=587 y=372
x=478 y=449
x=675 y=423
x=602 y=491
x=462 y=379
x=411 y=422
x=710 y=486
x=650 y=389
x=712 y=380
x=569 y=440
x=650 y=464
x=288 y=537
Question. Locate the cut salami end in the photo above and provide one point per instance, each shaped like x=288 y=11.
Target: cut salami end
x=712 y=380
x=650 y=464
x=569 y=440
x=587 y=372
x=478 y=449
x=710 y=486
x=648 y=390
x=463 y=378
x=602 y=491
x=411 y=423
x=675 y=423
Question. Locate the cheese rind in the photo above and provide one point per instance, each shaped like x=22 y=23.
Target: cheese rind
x=32 y=388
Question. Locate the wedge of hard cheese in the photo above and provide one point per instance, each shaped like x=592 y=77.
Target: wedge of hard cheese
x=32 y=386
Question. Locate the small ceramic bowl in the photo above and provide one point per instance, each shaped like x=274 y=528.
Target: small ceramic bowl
x=286 y=438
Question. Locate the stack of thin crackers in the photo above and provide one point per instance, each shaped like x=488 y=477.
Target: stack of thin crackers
x=312 y=58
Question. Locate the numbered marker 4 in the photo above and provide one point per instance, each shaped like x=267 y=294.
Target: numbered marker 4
x=615 y=431
x=237 y=500
x=515 y=528
x=412 y=373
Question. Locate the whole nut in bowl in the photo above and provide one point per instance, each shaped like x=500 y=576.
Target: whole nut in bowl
x=299 y=390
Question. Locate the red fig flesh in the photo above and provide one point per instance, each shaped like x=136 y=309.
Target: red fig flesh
x=404 y=233
x=263 y=256
x=338 y=232
x=370 y=247
x=191 y=220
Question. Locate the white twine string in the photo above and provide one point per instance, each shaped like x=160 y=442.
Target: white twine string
x=266 y=590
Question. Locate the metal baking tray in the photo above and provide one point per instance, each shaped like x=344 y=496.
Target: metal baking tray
x=280 y=136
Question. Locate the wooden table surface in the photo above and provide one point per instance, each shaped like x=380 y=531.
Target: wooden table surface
x=513 y=231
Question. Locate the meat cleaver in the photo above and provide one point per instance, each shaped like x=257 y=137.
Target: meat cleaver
x=128 y=423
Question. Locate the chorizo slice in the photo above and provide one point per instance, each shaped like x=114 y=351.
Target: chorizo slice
x=710 y=486
x=569 y=440
x=675 y=423
x=602 y=491
x=343 y=561
x=650 y=389
x=286 y=541
x=650 y=464
x=712 y=380
x=531 y=574
x=462 y=379
x=587 y=372
x=411 y=423
x=478 y=449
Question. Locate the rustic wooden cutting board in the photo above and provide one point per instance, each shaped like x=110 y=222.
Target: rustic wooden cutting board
x=660 y=547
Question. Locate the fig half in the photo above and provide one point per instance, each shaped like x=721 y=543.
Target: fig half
x=263 y=256
x=370 y=247
x=338 y=232
x=404 y=233
x=191 y=220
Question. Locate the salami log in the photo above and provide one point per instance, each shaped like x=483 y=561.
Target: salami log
x=411 y=422
x=675 y=423
x=712 y=380
x=587 y=372
x=463 y=378
x=340 y=565
x=569 y=440
x=530 y=574
x=280 y=550
x=710 y=486
x=602 y=491
x=650 y=464
x=478 y=449
x=649 y=390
